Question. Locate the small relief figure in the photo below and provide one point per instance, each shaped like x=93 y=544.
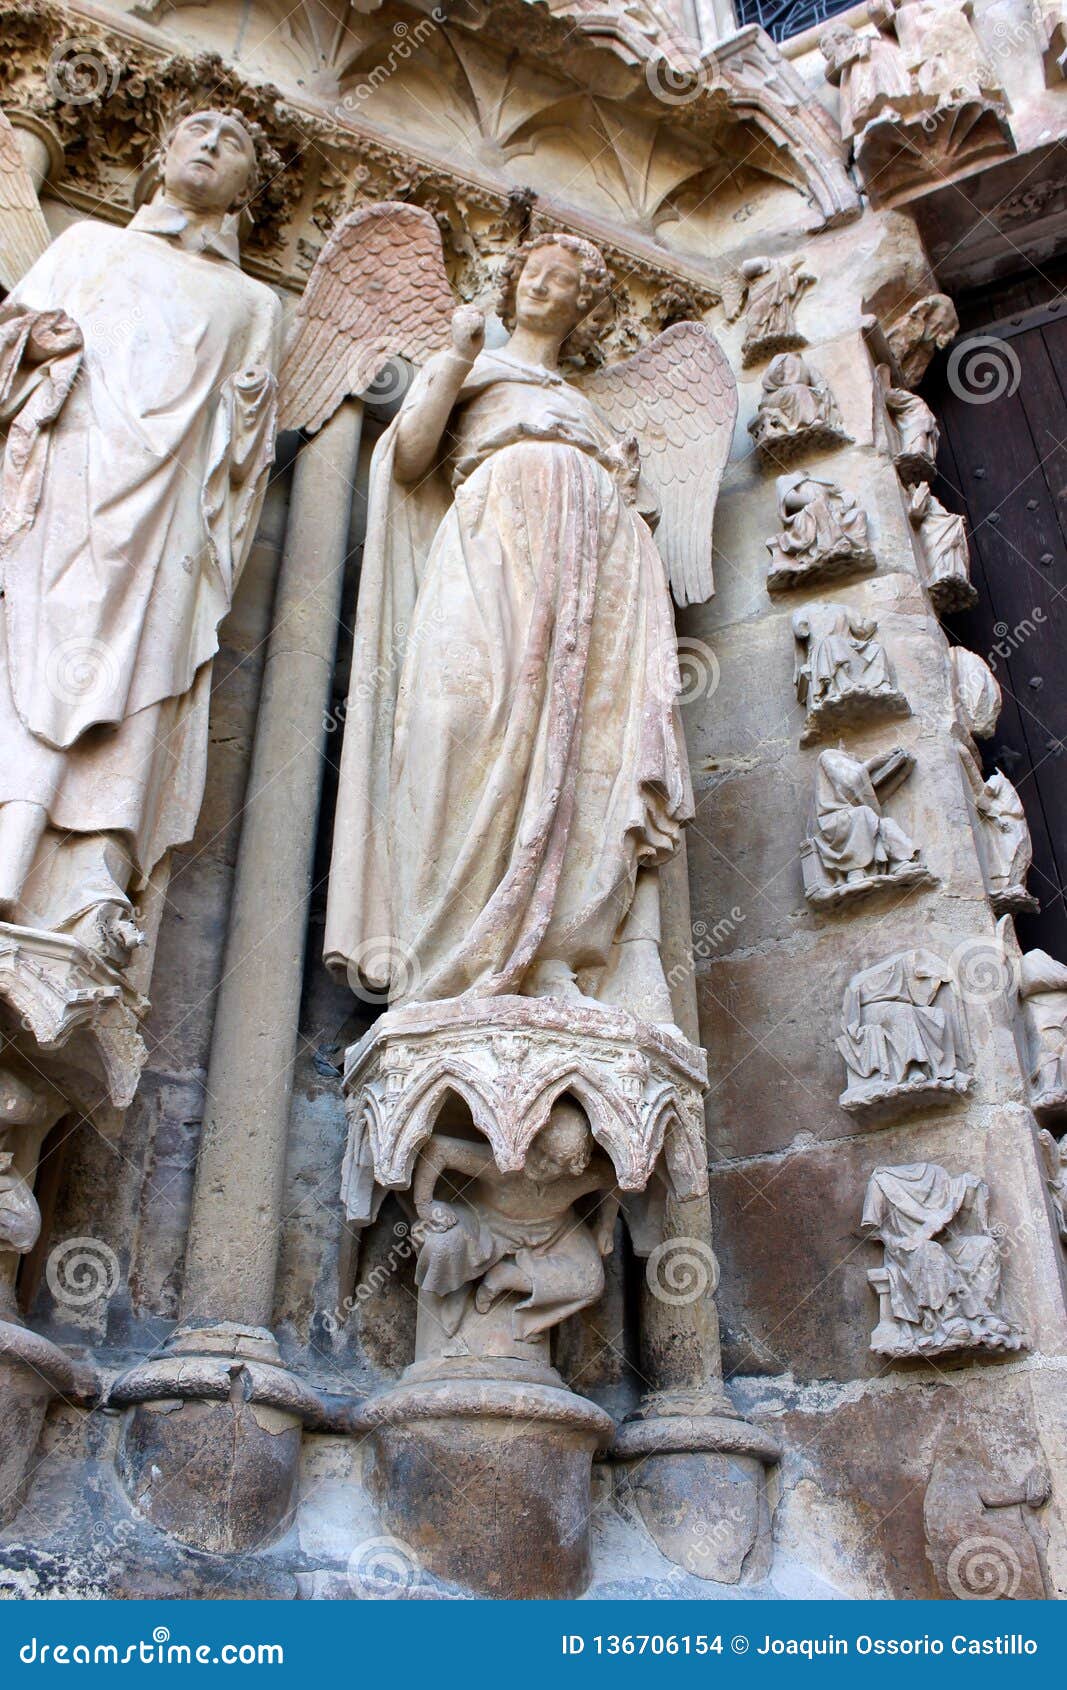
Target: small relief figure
x=902 y=1035
x=823 y=535
x=925 y=328
x=983 y=1539
x=939 y=1285
x=854 y=847
x=917 y=432
x=1050 y=19
x=513 y=1245
x=20 y=1218
x=1043 y=996
x=1004 y=838
x=796 y=413
x=976 y=691
x=946 y=554
x=767 y=289
x=941 y=49
x=842 y=673
x=869 y=70
x=1054 y=1156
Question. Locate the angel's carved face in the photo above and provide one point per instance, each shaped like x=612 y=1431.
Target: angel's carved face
x=549 y=291
x=210 y=162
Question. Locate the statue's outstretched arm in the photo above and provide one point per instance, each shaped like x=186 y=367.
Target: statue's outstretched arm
x=423 y=422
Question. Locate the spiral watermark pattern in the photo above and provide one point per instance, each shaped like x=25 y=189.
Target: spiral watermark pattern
x=983 y=369
x=984 y=1569
x=388 y=383
x=383 y=1568
x=80 y=72
x=381 y=969
x=80 y=668
x=681 y=1271
x=684 y=672
x=678 y=85
x=82 y=1271
x=985 y=971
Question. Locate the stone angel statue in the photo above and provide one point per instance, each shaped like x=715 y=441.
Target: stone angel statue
x=513 y=769
x=23 y=230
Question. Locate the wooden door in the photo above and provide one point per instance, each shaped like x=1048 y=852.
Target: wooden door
x=1004 y=464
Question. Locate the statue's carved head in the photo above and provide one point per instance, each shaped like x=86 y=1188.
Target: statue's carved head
x=563 y=1147
x=558 y=283
x=209 y=162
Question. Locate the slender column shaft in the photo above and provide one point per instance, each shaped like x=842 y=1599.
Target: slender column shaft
x=232 y=1252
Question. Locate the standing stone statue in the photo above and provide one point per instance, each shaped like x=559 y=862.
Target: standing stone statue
x=1004 y=837
x=767 y=289
x=918 y=435
x=870 y=71
x=130 y=496
x=946 y=551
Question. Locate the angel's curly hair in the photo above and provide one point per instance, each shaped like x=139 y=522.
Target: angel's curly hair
x=594 y=289
x=266 y=162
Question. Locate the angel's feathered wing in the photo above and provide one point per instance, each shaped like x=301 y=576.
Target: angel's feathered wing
x=378 y=291
x=679 y=397
x=23 y=230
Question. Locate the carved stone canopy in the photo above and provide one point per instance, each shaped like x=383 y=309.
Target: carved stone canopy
x=508 y=1059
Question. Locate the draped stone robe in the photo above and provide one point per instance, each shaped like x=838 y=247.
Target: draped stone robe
x=126 y=522
x=512 y=748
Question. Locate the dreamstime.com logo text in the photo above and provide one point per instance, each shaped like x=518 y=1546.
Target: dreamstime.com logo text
x=158 y=1650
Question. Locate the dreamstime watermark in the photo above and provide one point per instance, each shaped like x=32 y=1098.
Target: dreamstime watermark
x=384 y=1567
x=984 y=1569
x=407 y=1240
x=985 y=970
x=680 y=85
x=681 y=1271
x=686 y=672
x=80 y=71
x=80 y=668
x=1010 y=639
x=983 y=369
x=407 y=40
x=81 y=1272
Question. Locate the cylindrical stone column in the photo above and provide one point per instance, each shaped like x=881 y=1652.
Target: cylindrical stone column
x=237 y=1435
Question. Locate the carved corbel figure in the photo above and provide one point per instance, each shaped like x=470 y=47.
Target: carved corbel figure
x=842 y=673
x=853 y=847
x=1003 y=835
x=946 y=554
x=939 y=1284
x=1043 y=1001
x=903 y=1037
x=823 y=535
x=916 y=430
x=796 y=413
x=976 y=691
x=925 y=328
x=767 y=290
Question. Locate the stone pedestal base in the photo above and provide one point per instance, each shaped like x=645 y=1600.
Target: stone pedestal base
x=211 y=1449
x=698 y=1483
x=32 y=1372
x=487 y=1481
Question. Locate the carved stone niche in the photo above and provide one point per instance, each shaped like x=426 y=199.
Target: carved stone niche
x=69 y=1043
x=919 y=101
x=903 y=1037
x=946 y=553
x=1043 y=1005
x=938 y=1286
x=823 y=535
x=531 y=1115
x=853 y=848
x=842 y=675
x=796 y=413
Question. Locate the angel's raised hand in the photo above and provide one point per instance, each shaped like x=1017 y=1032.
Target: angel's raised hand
x=468 y=331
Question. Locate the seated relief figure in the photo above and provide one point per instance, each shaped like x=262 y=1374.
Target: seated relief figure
x=842 y=673
x=130 y=498
x=796 y=412
x=939 y=1285
x=853 y=847
x=916 y=429
x=516 y=775
x=902 y=1035
x=1043 y=1001
x=823 y=535
x=946 y=552
x=1003 y=837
